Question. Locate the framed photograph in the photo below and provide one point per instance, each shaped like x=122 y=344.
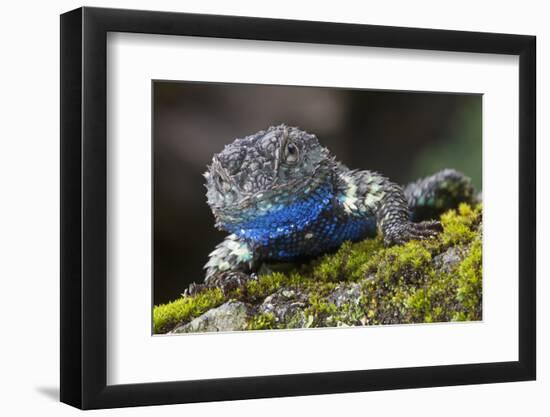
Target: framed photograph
x=257 y=208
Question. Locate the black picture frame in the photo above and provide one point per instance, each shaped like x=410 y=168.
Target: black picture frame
x=84 y=197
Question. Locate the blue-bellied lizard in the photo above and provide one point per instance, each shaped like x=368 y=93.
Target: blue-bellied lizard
x=282 y=196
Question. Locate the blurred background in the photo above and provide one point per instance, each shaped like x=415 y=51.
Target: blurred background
x=404 y=135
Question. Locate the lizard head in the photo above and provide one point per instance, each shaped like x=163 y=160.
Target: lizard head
x=269 y=169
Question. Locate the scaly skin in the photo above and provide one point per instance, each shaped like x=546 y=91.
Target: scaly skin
x=283 y=197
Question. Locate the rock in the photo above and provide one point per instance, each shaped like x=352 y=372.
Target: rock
x=230 y=316
x=363 y=283
x=345 y=294
x=287 y=306
x=448 y=260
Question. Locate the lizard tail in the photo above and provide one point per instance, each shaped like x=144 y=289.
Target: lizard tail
x=430 y=197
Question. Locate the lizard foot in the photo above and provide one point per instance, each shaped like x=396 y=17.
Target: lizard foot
x=194 y=289
x=412 y=231
x=227 y=282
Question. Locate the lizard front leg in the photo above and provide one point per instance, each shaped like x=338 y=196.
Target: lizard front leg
x=230 y=265
x=371 y=194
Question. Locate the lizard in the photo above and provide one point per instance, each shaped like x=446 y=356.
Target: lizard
x=281 y=196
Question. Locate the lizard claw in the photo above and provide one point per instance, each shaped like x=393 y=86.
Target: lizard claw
x=229 y=281
x=413 y=231
x=193 y=289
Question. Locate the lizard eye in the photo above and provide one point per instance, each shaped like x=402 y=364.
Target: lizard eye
x=291 y=153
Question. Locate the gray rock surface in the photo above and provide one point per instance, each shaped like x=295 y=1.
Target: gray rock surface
x=345 y=294
x=230 y=316
x=360 y=284
x=448 y=260
x=287 y=306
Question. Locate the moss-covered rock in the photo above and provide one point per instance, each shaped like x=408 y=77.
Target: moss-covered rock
x=363 y=283
x=232 y=315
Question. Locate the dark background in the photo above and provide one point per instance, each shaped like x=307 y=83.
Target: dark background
x=404 y=135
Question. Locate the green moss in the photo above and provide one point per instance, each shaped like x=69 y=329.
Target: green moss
x=459 y=226
x=319 y=310
x=399 y=284
x=420 y=305
x=469 y=290
x=262 y=321
x=350 y=314
x=397 y=263
x=166 y=316
x=349 y=263
x=268 y=284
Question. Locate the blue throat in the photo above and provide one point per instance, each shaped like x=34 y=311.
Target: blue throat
x=281 y=219
x=304 y=227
